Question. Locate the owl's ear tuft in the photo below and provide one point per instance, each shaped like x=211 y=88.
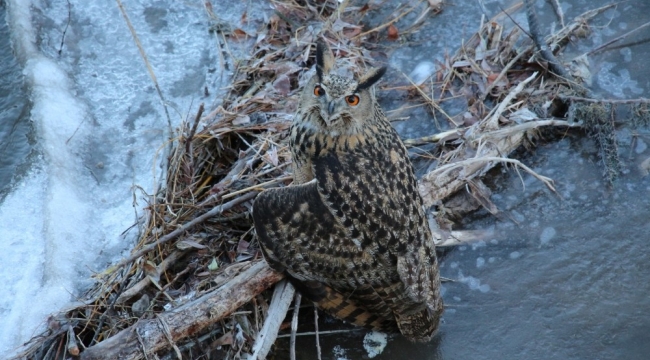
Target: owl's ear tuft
x=324 y=59
x=370 y=78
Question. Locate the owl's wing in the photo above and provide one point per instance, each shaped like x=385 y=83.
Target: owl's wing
x=418 y=270
x=284 y=220
x=302 y=238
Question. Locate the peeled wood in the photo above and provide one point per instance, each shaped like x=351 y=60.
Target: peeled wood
x=187 y=320
x=282 y=296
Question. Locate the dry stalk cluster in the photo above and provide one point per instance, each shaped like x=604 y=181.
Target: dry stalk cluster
x=194 y=284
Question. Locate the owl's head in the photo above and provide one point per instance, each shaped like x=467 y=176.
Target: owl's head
x=339 y=104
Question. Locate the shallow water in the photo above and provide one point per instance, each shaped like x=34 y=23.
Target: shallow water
x=15 y=129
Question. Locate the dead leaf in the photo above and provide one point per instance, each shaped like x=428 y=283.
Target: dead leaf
x=271 y=156
x=140 y=307
x=492 y=77
x=186 y=244
x=350 y=33
x=151 y=269
x=239 y=34
x=523 y=115
x=393 y=33
x=282 y=85
x=242 y=246
x=214 y=265
x=435 y=4
x=226 y=339
x=241 y=120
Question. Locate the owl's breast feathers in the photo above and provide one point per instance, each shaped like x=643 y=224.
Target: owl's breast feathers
x=356 y=240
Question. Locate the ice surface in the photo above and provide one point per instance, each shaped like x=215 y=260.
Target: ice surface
x=617 y=84
x=547 y=235
x=473 y=283
x=101 y=131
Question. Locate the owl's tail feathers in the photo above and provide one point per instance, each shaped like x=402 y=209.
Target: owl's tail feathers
x=344 y=308
x=420 y=326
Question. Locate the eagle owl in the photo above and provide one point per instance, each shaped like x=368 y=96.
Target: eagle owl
x=352 y=235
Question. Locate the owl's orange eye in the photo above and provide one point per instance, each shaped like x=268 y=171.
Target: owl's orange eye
x=352 y=100
x=319 y=91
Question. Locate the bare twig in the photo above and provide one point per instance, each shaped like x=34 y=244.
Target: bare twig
x=529 y=125
x=493 y=117
x=183 y=228
x=316 y=331
x=330 y=332
x=608 y=101
x=195 y=125
x=65 y=30
x=152 y=74
x=533 y=25
x=383 y=26
x=558 y=11
x=487 y=159
x=294 y=326
x=429 y=100
x=433 y=138
x=619 y=38
x=72 y=347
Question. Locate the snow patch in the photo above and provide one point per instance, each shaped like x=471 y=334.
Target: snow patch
x=375 y=342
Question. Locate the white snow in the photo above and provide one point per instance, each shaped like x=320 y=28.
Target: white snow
x=100 y=133
x=374 y=343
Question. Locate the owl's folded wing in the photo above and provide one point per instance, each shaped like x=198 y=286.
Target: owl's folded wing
x=297 y=232
x=289 y=221
x=418 y=270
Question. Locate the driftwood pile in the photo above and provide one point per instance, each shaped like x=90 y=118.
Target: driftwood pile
x=194 y=286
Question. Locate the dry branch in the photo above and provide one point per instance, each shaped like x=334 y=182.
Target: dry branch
x=148 y=336
x=174 y=234
x=282 y=296
x=450 y=178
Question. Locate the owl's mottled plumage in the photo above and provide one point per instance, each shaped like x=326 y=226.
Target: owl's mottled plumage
x=353 y=235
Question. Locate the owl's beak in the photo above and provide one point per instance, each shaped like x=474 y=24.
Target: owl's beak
x=329 y=111
x=331 y=107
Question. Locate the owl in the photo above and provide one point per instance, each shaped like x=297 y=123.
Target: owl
x=351 y=234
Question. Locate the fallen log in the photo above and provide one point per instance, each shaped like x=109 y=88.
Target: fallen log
x=149 y=336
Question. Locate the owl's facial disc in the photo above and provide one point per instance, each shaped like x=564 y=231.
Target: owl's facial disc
x=330 y=110
x=335 y=102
